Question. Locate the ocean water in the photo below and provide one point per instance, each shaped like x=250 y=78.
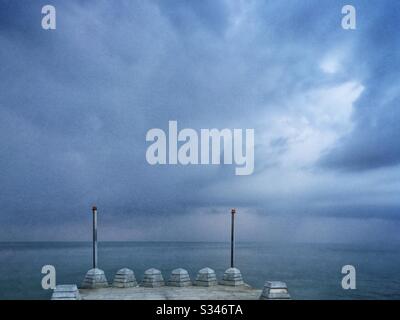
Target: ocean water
x=311 y=271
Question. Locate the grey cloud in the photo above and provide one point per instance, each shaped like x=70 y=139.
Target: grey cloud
x=77 y=103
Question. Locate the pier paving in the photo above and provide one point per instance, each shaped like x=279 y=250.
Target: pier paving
x=217 y=292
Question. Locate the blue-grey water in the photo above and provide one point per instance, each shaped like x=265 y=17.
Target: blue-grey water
x=311 y=271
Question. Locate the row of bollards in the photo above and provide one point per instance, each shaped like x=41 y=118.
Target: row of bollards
x=206 y=277
x=125 y=278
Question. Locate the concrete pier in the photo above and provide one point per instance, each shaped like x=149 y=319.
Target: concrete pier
x=206 y=287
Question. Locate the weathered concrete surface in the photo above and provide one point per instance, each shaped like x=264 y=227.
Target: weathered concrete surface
x=206 y=277
x=95 y=278
x=125 y=278
x=275 y=290
x=179 y=278
x=153 y=278
x=232 y=277
x=216 y=292
x=66 y=292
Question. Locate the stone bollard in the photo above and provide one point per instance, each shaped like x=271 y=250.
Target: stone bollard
x=232 y=277
x=206 y=278
x=179 y=278
x=153 y=278
x=95 y=278
x=125 y=278
x=275 y=290
x=66 y=292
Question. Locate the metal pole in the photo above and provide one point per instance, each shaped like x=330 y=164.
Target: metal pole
x=233 y=211
x=94 y=210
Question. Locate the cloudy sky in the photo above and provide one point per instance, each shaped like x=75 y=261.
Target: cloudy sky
x=76 y=103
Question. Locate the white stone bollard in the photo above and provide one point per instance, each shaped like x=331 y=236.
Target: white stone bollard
x=125 y=278
x=206 y=278
x=153 y=278
x=95 y=278
x=179 y=278
x=275 y=290
x=66 y=292
x=232 y=277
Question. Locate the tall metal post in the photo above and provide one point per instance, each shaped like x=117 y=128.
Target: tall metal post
x=233 y=211
x=94 y=210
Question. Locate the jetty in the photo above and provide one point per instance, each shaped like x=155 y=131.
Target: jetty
x=178 y=286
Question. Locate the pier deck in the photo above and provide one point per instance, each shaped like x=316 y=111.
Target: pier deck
x=218 y=292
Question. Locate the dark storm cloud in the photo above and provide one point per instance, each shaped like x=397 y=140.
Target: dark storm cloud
x=373 y=142
x=76 y=103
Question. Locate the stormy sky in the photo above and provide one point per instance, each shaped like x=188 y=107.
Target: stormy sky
x=76 y=103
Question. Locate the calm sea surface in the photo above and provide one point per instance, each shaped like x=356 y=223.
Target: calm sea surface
x=311 y=271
